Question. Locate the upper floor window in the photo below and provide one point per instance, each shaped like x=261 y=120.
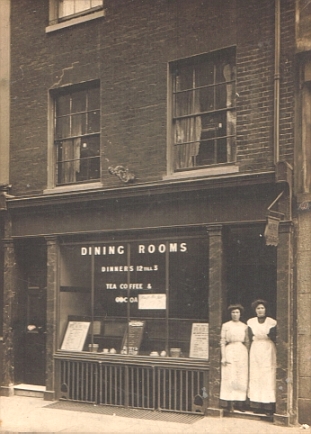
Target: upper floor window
x=203 y=110
x=67 y=8
x=77 y=135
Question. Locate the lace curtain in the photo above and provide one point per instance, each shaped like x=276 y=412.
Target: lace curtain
x=188 y=130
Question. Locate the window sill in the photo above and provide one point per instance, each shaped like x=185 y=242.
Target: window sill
x=73 y=187
x=209 y=171
x=74 y=21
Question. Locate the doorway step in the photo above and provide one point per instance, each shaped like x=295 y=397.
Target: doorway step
x=32 y=390
x=249 y=415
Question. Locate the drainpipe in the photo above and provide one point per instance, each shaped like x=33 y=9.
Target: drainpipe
x=277 y=50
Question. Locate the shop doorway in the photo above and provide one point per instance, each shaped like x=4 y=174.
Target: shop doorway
x=251 y=269
x=30 y=326
x=35 y=337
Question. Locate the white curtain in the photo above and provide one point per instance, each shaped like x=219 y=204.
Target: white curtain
x=228 y=73
x=187 y=130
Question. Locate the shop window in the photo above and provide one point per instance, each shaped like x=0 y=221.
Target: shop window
x=203 y=111
x=77 y=135
x=145 y=298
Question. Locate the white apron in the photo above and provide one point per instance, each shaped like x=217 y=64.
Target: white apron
x=262 y=362
x=234 y=375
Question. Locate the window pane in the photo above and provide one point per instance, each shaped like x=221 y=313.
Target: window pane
x=188 y=281
x=82 y=5
x=75 y=286
x=78 y=102
x=63 y=127
x=111 y=270
x=214 y=123
x=184 y=103
x=66 y=7
x=221 y=146
x=89 y=147
x=207 y=99
x=89 y=167
x=149 y=275
x=93 y=98
x=63 y=105
x=221 y=96
x=78 y=125
x=68 y=161
x=184 y=77
x=154 y=338
x=188 y=130
x=95 y=3
x=206 y=154
x=93 y=122
x=204 y=74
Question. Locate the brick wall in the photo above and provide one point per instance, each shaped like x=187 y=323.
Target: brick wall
x=129 y=51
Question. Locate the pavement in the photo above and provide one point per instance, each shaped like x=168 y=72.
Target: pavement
x=20 y=414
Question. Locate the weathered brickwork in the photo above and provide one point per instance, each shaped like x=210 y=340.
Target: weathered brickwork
x=129 y=51
x=287 y=94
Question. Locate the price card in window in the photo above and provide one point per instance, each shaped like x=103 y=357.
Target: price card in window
x=199 y=341
x=75 y=335
x=152 y=301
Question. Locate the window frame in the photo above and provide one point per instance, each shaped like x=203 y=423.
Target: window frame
x=216 y=168
x=52 y=184
x=57 y=23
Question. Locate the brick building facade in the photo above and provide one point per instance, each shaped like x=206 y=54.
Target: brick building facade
x=153 y=129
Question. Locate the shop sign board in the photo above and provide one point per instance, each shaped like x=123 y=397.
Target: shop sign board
x=199 y=341
x=271 y=233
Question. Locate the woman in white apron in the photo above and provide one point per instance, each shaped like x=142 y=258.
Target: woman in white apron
x=262 y=360
x=234 y=361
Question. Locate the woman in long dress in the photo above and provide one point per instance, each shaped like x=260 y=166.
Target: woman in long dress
x=234 y=360
x=262 y=360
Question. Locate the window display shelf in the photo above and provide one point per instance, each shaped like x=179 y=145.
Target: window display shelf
x=155 y=338
x=142 y=360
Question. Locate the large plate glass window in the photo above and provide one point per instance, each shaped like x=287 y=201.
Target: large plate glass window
x=77 y=135
x=139 y=297
x=203 y=110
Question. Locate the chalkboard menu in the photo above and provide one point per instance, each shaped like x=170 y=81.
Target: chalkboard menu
x=75 y=335
x=132 y=337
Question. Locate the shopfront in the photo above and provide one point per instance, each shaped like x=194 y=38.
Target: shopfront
x=136 y=292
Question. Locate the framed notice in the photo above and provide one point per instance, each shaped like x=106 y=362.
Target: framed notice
x=199 y=341
x=133 y=337
x=75 y=335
